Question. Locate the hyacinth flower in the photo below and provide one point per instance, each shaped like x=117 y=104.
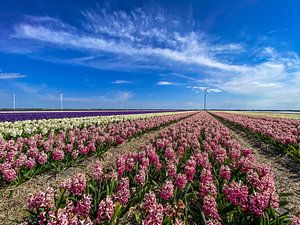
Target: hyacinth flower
x=32 y=155
x=283 y=133
x=219 y=192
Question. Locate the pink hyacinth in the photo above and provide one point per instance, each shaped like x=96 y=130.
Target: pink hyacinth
x=225 y=172
x=210 y=207
x=130 y=163
x=237 y=194
x=58 y=154
x=105 y=210
x=30 y=163
x=140 y=177
x=206 y=176
x=83 y=206
x=181 y=181
x=155 y=216
x=295 y=220
x=167 y=190
x=154 y=159
x=43 y=200
x=170 y=153
x=171 y=169
x=42 y=158
x=258 y=203
x=149 y=201
x=207 y=188
x=9 y=174
x=247 y=152
x=190 y=169
x=144 y=162
x=121 y=164
x=97 y=171
x=76 y=185
x=123 y=192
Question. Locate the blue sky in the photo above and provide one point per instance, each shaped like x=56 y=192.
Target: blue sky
x=164 y=53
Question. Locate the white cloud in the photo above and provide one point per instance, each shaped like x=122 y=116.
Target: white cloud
x=132 y=35
x=147 y=40
x=165 y=83
x=10 y=76
x=121 y=82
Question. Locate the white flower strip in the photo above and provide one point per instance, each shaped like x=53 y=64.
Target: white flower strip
x=44 y=126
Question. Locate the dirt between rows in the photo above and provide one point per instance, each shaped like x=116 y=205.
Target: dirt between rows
x=286 y=170
x=14 y=200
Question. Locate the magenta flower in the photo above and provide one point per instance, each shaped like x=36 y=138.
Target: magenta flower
x=97 y=171
x=140 y=177
x=258 y=203
x=210 y=207
x=42 y=158
x=9 y=174
x=149 y=201
x=121 y=165
x=170 y=153
x=237 y=194
x=123 y=192
x=167 y=190
x=44 y=200
x=181 y=181
x=58 y=154
x=155 y=215
x=225 y=172
x=78 y=184
x=171 y=169
x=105 y=210
x=295 y=220
x=83 y=206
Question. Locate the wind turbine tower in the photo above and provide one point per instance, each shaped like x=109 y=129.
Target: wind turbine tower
x=14 y=100
x=61 y=100
x=126 y=100
x=204 y=98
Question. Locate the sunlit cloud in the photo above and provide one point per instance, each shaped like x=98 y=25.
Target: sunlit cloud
x=165 y=83
x=121 y=82
x=145 y=40
x=10 y=76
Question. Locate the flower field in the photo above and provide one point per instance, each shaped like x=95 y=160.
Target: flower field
x=18 y=116
x=23 y=157
x=193 y=172
x=25 y=128
x=284 y=133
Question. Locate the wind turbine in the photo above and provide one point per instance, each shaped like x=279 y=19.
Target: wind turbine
x=204 y=98
x=61 y=100
x=14 y=100
x=126 y=100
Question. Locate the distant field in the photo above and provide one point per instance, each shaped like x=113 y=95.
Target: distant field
x=285 y=115
x=11 y=116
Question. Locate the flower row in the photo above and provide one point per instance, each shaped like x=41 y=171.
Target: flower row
x=192 y=173
x=284 y=133
x=17 y=116
x=28 y=128
x=24 y=157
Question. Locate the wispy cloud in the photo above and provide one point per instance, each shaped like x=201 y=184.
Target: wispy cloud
x=121 y=82
x=165 y=83
x=159 y=41
x=11 y=76
x=132 y=35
